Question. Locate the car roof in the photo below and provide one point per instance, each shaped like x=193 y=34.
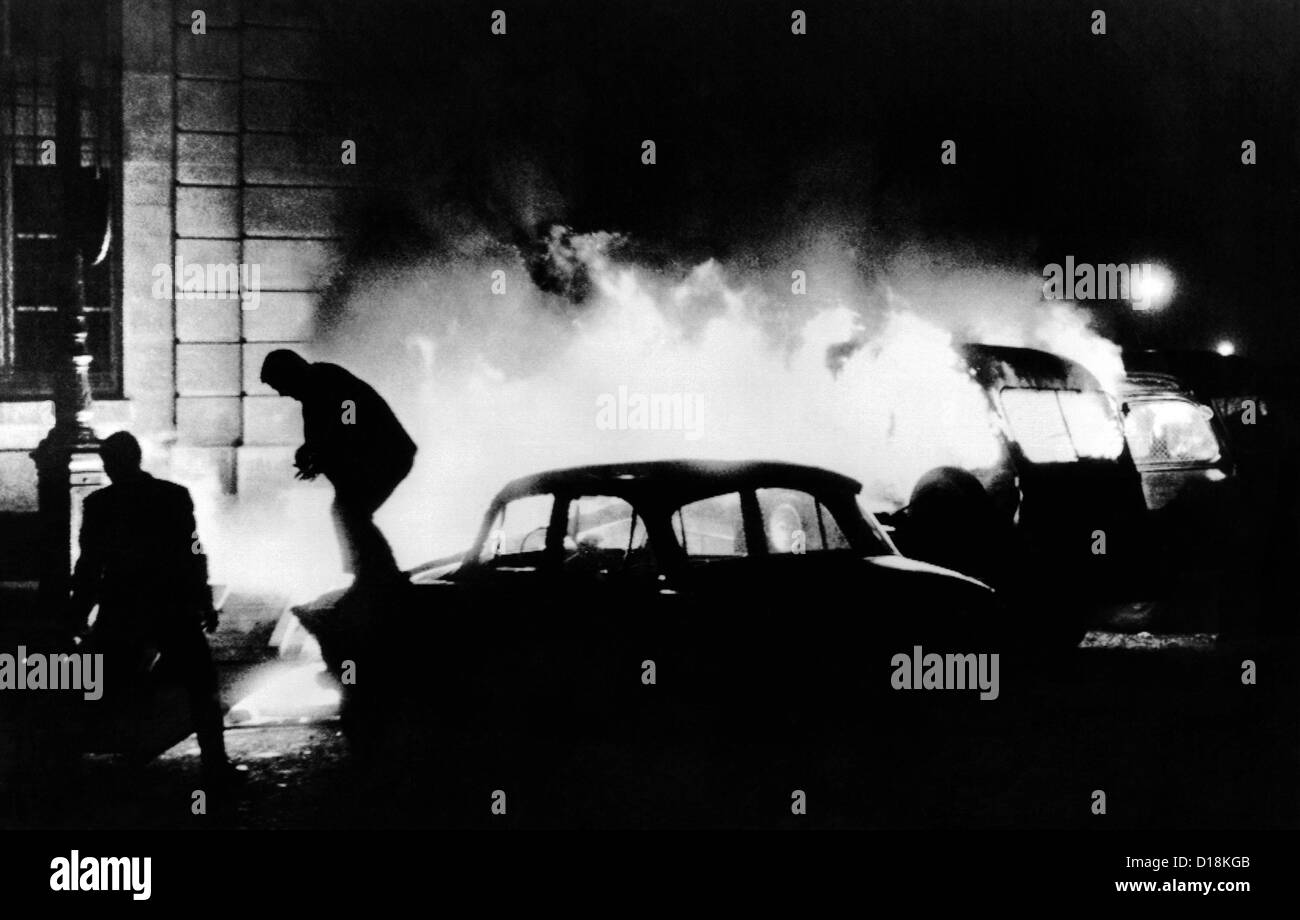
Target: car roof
x=996 y=366
x=1151 y=384
x=678 y=478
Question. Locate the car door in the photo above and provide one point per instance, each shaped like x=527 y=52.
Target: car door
x=606 y=575
x=501 y=617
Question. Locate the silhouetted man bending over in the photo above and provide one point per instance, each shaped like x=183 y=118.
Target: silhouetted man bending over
x=142 y=562
x=354 y=439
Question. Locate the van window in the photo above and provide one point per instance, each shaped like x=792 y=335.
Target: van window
x=1061 y=426
x=1038 y=425
x=1093 y=422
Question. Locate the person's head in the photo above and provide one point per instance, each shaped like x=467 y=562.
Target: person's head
x=121 y=455
x=285 y=372
x=782 y=527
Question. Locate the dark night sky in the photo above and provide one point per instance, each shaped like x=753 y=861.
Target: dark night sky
x=1123 y=147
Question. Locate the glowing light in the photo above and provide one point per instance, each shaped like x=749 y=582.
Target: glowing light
x=1152 y=287
x=1226 y=348
x=1171 y=431
x=300 y=691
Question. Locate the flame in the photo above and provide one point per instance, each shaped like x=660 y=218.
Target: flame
x=299 y=691
x=297 y=687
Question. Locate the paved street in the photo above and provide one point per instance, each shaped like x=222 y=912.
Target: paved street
x=296 y=776
x=1162 y=724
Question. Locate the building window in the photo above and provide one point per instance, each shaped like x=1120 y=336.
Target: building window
x=38 y=37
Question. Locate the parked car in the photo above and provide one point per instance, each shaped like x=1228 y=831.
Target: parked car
x=734 y=585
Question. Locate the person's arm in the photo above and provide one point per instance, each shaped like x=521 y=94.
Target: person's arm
x=305 y=462
x=306 y=459
x=198 y=591
x=324 y=447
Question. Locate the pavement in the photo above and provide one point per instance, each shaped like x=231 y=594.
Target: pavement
x=1163 y=723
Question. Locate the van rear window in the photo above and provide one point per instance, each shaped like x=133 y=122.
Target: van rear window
x=1061 y=426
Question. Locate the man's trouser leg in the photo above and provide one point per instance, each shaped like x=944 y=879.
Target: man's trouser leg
x=366 y=554
x=343 y=531
x=191 y=660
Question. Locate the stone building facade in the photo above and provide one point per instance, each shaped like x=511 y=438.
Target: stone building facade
x=227 y=164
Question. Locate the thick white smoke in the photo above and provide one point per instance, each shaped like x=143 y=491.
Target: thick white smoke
x=496 y=379
x=851 y=375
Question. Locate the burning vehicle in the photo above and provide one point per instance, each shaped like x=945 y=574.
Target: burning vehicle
x=740 y=585
x=1138 y=503
x=1057 y=520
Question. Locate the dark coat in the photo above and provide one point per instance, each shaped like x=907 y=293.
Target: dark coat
x=141 y=561
x=350 y=430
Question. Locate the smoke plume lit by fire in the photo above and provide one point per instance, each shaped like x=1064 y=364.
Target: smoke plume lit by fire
x=853 y=374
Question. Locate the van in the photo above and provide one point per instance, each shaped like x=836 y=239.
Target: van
x=1057 y=522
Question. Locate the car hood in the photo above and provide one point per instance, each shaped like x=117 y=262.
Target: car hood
x=905 y=564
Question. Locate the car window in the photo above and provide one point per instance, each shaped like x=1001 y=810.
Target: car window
x=795 y=522
x=604 y=522
x=712 y=526
x=605 y=535
x=1170 y=431
x=519 y=527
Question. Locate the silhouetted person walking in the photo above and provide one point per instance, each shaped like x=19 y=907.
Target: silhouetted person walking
x=354 y=439
x=142 y=562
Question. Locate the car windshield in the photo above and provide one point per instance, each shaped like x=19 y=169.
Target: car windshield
x=1173 y=431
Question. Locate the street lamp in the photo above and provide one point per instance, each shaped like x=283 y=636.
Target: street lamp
x=1152 y=287
x=67 y=460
